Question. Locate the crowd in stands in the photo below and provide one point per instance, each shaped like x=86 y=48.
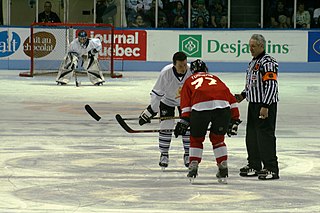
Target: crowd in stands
x=214 y=13
x=174 y=13
x=281 y=13
x=204 y=13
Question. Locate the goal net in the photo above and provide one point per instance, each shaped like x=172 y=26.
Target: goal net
x=48 y=44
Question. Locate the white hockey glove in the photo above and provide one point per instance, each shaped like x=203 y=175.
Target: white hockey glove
x=233 y=127
x=94 y=51
x=146 y=115
x=181 y=127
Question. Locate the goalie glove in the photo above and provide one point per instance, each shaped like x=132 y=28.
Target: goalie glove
x=146 y=115
x=233 y=127
x=181 y=127
x=92 y=52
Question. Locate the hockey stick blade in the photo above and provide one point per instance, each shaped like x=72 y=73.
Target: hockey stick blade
x=125 y=126
x=92 y=112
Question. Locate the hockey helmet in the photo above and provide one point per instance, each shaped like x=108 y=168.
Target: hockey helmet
x=82 y=37
x=198 y=66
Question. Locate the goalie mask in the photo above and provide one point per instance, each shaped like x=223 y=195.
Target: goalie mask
x=198 y=66
x=83 y=38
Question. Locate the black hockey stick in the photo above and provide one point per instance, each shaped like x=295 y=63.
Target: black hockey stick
x=93 y=114
x=76 y=79
x=128 y=129
x=125 y=126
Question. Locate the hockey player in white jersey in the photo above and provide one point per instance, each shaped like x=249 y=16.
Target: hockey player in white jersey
x=165 y=97
x=84 y=50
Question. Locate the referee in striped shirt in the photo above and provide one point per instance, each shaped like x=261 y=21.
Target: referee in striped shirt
x=261 y=91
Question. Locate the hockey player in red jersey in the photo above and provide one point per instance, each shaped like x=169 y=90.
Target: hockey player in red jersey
x=204 y=99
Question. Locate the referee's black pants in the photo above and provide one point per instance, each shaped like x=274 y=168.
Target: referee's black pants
x=261 y=139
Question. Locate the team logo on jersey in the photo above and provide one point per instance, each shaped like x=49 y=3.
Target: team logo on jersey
x=10 y=43
x=178 y=94
x=191 y=45
x=313 y=46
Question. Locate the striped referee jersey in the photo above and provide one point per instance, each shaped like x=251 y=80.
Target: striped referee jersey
x=261 y=80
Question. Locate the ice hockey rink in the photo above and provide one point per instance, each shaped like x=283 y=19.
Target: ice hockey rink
x=56 y=158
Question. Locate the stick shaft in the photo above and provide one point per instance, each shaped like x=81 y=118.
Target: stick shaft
x=93 y=114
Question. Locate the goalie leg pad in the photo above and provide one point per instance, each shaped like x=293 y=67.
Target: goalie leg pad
x=64 y=76
x=67 y=67
x=94 y=72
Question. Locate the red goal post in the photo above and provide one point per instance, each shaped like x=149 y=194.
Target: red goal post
x=48 y=43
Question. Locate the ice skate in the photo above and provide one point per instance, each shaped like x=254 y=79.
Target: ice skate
x=99 y=83
x=193 y=171
x=222 y=174
x=247 y=171
x=265 y=174
x=164 y=161
x=61 y=83
x=186 y=160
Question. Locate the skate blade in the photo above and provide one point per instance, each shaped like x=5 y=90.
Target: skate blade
x=191 y=180
x=163 y=168
x=223 y=180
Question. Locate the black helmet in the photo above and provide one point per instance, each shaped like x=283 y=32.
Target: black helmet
x=82 y=37
x=82 y=34
x=198 y=66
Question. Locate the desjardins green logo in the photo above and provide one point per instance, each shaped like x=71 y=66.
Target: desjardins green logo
x=191 y=45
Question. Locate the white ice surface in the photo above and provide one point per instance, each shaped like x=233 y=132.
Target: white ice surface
x=55 y=158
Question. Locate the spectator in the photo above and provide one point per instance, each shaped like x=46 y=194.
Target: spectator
x=224 y=22
x=179 y=22
x=163 y=22
x=106 y=10
x=169 y=5
x=217 y=14
x=280 y=17
x=200 y=22
x=139 y=22
x=178 y=10
x=316 y=16
x=133 y=9
x=47 y=15
x=145 y=4
x=200 y=10
x=151 y=14
x=303 y=17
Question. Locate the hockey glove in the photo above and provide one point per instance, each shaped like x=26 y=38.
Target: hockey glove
x=146 y=115
x=233 y=127
x=92 y=53
x=181 y=127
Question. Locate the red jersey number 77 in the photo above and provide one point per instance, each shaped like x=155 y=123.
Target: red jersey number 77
x=199 y=81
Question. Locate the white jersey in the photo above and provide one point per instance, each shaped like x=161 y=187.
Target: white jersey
x=168 y=87
x=93 y=43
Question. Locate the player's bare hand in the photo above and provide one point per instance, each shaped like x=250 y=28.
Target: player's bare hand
x=263 y=113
